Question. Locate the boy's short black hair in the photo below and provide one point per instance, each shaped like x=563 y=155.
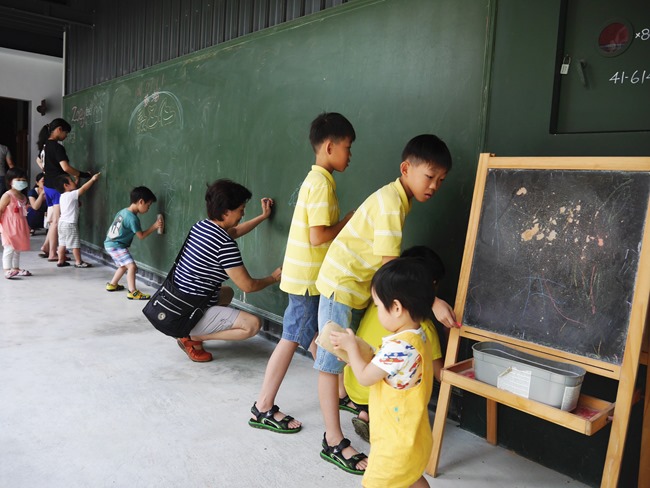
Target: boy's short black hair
x=142 y=193
x=410 y=282
x=223 y=195
x=60 y=182
x=430 y=258
x=330 y=125
x=12 y=174
x=427 y=149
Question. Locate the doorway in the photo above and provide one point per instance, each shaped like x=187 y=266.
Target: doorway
x=14 y=131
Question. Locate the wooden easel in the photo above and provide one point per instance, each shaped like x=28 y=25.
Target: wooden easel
x=592 y=414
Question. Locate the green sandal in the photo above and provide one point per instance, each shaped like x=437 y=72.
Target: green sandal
x=362 y=428
x=265 y=420
x=334 y=455
x=343 y=405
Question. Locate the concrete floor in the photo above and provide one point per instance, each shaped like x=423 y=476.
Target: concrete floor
x=92 y=396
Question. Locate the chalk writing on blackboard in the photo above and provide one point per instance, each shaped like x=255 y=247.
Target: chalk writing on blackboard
x=91 y=113
x=556 y=258
x=160 y=109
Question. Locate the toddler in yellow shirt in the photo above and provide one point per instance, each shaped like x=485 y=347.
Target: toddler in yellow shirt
x=372 y=331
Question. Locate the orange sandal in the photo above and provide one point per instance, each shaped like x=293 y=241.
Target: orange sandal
x=196 y=355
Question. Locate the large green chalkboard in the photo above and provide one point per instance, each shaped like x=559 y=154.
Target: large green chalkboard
x=557 y=256
x=241 y=110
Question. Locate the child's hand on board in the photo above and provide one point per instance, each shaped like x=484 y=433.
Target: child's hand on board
x=444 y=313
x=267 y=206
x=95 y=177
x=343 y=340
x=277 y=274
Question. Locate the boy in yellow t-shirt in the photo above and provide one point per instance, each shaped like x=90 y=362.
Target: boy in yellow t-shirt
x=400 y=375
x=372 y=331
x=372 y=237
x=314 y=224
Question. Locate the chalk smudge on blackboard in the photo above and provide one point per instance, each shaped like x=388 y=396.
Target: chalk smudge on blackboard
x=293 y=199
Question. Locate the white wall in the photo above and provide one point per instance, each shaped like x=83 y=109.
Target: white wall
x=33 y=77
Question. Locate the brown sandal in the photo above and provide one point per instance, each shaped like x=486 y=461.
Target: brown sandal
x=196 y=355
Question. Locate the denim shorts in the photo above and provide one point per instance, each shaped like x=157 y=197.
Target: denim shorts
x=346 y=317
x=300 y=322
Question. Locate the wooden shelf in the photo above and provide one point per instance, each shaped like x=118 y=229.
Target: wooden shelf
x=591 y=414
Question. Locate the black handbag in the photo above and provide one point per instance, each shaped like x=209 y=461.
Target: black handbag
x=172 y=311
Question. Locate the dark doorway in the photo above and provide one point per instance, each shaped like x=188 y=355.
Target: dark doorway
x=14 y=130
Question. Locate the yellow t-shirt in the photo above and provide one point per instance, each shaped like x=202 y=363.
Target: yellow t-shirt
x=356 y=253
x=371 y=331
x=317 y=205
x=401 y=434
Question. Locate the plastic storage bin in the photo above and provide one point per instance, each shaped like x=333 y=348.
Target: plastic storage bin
x=540 y=379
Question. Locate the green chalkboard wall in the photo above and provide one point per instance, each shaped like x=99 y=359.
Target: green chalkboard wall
x=241 y=110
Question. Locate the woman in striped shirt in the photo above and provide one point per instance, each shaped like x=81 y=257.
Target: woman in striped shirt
x=210 y=257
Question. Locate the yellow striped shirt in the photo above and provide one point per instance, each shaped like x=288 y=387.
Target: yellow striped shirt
x=356 y=253
x=317 y=205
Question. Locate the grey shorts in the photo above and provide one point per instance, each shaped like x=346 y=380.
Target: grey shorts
x=215 y=319
x=69 y=235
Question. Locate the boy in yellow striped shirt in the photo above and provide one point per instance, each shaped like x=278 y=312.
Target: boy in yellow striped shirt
x=372 y=237
x=314 y=225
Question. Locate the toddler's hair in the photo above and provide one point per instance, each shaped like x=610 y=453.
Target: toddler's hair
x=408 y=280
x=12 y=174
x=427 y=149
x=38 y=177
x=142 y=193
x=431 y=260
x=223 y=195
x=330 y=125
x=60 y=182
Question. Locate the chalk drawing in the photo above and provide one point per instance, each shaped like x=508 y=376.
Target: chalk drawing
x=158 y=110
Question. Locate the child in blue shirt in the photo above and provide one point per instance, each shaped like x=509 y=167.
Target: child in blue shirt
x=120 y=234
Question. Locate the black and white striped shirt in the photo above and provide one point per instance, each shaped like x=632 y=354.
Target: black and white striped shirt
x=208 y=253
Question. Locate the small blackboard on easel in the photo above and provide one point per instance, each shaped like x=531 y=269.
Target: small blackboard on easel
x=557 y=264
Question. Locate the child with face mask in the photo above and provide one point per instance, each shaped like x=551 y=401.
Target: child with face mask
x=13 y=223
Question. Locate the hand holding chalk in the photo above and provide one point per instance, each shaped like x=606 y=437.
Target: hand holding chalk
x=267 y=204
x=160 y=223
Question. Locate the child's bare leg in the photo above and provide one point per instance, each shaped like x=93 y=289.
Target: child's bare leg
x=77 y=255
x=61 y=253
x=119 y=272
x=313 y=347
x=421 y=483
x=131 y=270
x=328 y=387
x=342 y=392
x=53 y=231
x=276 y=370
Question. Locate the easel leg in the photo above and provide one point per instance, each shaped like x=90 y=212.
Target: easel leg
x=439 y=427
x=491 y=412
x=644 y=464
x=644 y=458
